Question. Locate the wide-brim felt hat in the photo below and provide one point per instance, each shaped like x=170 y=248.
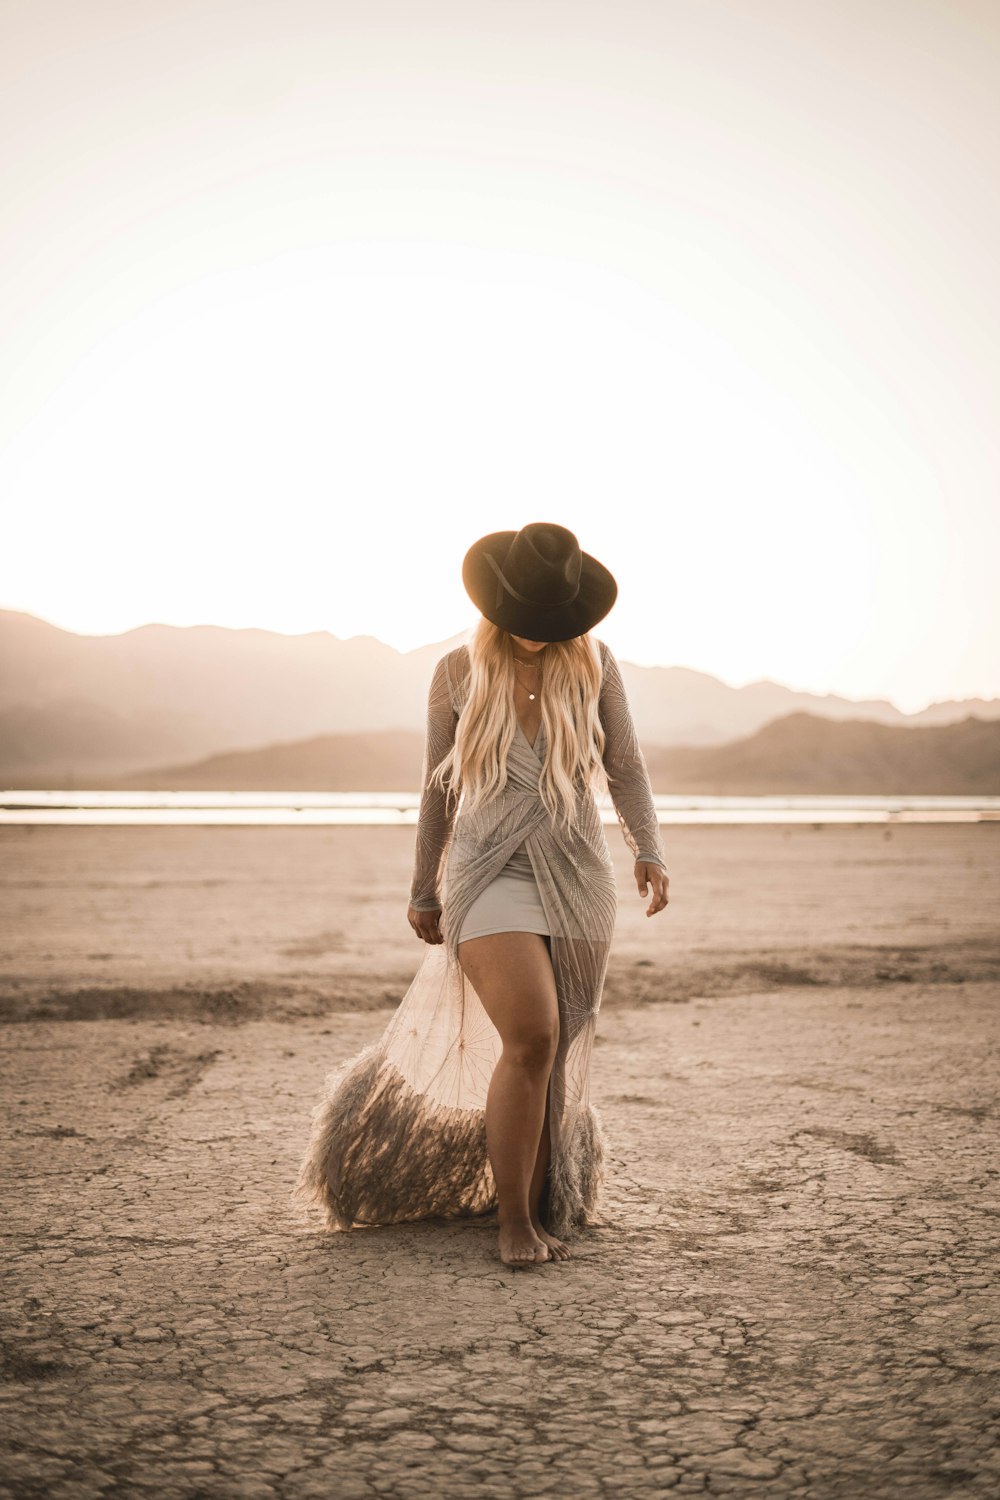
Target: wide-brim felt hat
x=538 y=583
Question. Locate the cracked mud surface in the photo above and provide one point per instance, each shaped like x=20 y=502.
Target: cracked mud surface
x=791 y=1290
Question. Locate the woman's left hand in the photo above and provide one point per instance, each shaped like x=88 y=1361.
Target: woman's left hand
x=654 y=876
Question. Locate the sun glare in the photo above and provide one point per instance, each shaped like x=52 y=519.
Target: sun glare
x=311 y=442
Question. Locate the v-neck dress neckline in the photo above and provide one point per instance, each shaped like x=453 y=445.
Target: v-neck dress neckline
x=531 y=744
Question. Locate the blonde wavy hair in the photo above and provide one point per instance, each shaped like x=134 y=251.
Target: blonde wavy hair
x=476 y=765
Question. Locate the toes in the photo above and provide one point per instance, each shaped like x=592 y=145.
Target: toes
x=528 y=1251
x=556 y=1248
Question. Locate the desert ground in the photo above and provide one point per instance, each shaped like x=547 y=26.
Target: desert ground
x=790 y=1288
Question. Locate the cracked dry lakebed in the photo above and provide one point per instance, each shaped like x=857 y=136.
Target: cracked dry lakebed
x=790 y=1288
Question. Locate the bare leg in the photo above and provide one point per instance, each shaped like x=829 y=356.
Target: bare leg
x=557 y=1248
x=511 y=973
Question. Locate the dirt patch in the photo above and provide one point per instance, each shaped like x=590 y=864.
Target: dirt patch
x=860 y=1144
x=182 y=1069
x=17 y=1368
x=220 y=1004
x=315 y=946
x=630 y=982
x=855 y=966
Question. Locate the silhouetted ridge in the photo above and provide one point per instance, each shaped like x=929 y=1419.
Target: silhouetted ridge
x=801 y=753
x=76 y=709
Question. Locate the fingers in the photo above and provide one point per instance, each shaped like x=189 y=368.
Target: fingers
x=661 y=895
x=659 y=880
x=427 y=926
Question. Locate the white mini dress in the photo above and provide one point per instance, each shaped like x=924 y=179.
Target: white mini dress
x=510 y=903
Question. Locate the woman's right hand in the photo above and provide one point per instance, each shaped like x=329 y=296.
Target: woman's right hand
x=426 y=924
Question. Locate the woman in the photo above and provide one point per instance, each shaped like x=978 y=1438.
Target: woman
x=477 y=1095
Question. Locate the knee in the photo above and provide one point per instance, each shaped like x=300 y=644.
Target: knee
x=534 y=1050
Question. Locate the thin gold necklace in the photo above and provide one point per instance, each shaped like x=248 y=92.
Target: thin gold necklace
x=526 y=664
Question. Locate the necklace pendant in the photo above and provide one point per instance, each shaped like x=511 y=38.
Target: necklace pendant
x=532 y=697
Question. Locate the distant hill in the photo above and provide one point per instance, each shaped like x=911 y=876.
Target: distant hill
x=74 y=707
x=78 y=708
x=385 y=760
x=801 y=753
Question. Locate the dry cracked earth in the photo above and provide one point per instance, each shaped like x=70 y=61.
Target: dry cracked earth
x=791 y=1290
x=792 y=1287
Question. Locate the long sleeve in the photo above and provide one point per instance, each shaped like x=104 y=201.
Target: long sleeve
x=436 y=817
x=625 y=765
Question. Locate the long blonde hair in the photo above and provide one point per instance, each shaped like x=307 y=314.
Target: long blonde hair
x=569 y=688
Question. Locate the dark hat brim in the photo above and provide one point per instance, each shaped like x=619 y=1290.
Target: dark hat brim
x=536 y=622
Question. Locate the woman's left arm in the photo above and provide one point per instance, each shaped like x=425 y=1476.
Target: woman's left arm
x=629 y=785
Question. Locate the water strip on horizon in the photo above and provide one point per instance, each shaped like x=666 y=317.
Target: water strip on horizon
x=400 y=809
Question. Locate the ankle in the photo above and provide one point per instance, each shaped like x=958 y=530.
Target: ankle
x=515 y=1220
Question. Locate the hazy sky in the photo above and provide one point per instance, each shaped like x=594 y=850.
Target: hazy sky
x=298 y=298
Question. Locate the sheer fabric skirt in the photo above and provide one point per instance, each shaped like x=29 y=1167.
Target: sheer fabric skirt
x=400 y=1134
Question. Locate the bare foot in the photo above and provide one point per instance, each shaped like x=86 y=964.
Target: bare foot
x=557 y=1249
x=520 y=1245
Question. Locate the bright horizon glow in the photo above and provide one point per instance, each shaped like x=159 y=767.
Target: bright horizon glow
x=464 y=630
x=297 y=316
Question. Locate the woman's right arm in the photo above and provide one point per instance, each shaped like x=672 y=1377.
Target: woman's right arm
x=437 y=811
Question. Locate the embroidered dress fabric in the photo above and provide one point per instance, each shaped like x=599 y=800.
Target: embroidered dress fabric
x=400 y=1133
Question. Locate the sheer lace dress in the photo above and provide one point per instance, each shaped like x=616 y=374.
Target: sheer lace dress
x=401 y=1132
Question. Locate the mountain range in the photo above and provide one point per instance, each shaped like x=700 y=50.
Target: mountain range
x=800 y=753
x=76 y=708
